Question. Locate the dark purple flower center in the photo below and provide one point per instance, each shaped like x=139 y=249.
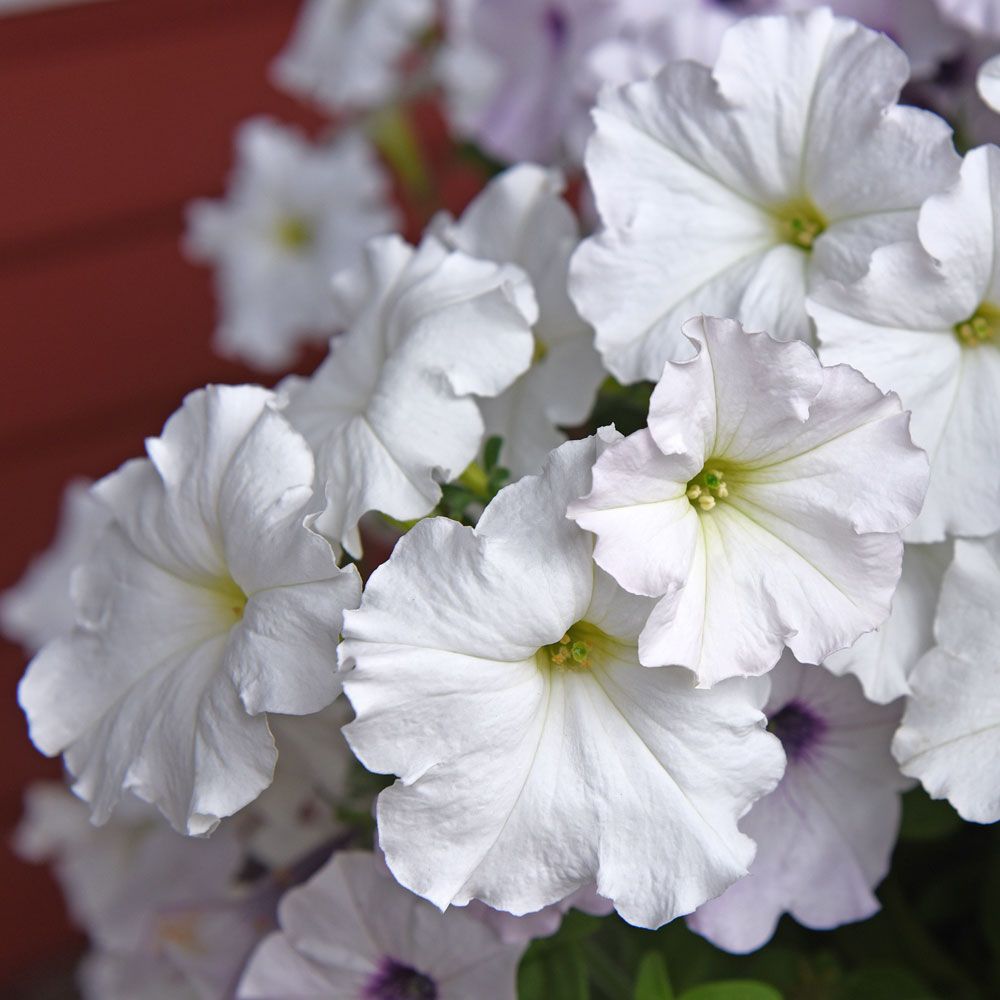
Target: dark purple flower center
x=798 y=728
x=394 y=981
x=556 y=26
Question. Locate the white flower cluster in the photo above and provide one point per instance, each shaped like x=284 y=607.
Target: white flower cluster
x=620 y=680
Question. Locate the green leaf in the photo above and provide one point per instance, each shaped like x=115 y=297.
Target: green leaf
x=491 y=451
x=732 y=989
x=878 y=983
x=558 y=973
x=652 y=982
x=925 y=818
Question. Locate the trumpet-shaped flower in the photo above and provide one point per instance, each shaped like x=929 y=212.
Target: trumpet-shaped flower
x=295 y=213
x=826 y=833
x=38 y=607
x=391 y=413
x=883 y=660
x=206 y=603
x=979 y=16
x=495 y=671
x=351 y=931
x=925 y=322
x=726 y=191
x=345 y=55
x=762 y=505
x=521 y=219
x=950 y=734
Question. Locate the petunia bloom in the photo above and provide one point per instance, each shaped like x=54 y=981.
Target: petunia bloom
x=883 y=660
x=38 y=607
x=392 y=413
x=762 y=505
x=727 y=191
x=345 y=55
x=825 y=835
x=495 y=671
x=950 y=735
x=294 y=214
x=351 y=931
x=206 y=603
x=925 y=322
x=520 y=218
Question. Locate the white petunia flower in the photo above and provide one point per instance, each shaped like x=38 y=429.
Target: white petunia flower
x=295 y=213
x=495 y=671
x=521 y=219
x=883 y=660
x=763 y=505
x=38 y=607
x=206 y=604
x=925 y=322
x=391 y=413
x=988 y=82
x=825 y=835
x=726 y=191
x=296 y=813
x=351 y=931
x=514 y=72
x=346 y=54
x=978 y=16
x=950 y=735
x=115 y=876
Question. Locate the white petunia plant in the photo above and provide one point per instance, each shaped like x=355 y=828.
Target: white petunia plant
x=573 y=592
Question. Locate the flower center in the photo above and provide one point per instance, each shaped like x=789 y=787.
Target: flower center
x=982 y=327
x=394 y=981
x=294 y=233
x=798 y=728
x=799 y=222
x=232 y=600
x=707 y=488
x=576 y=650
x=540 y=352
x=556 y=26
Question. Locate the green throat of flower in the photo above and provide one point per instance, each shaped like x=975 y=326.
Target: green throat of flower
x=799 y=223
x=577 y=650
x=231 y=598
x=982 y=327
x=294 y=233
x=708 y=487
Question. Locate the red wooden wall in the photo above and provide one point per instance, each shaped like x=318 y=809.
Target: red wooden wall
x=112 y=116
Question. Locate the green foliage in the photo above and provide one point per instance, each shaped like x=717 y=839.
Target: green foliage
x=732 y=989
x=652 y=981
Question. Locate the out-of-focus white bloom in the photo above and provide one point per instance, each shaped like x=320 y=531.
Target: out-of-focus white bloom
x=346 y=54
x=351 y=931
x=521 y=219
x=925 y=322
x=391 y=413
x=495 y=671
x=979 y=16
x=148 y=897
x=294 y=214
x=207 y=603
x=825 y=835
x=114 y=876
x=296 y=813
x=726 y=191
x=39 y=607
x=763 y=505
x=512 y=72
x=543 y=922
x=988 y=82
x=950 y=735
x=882 y=660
